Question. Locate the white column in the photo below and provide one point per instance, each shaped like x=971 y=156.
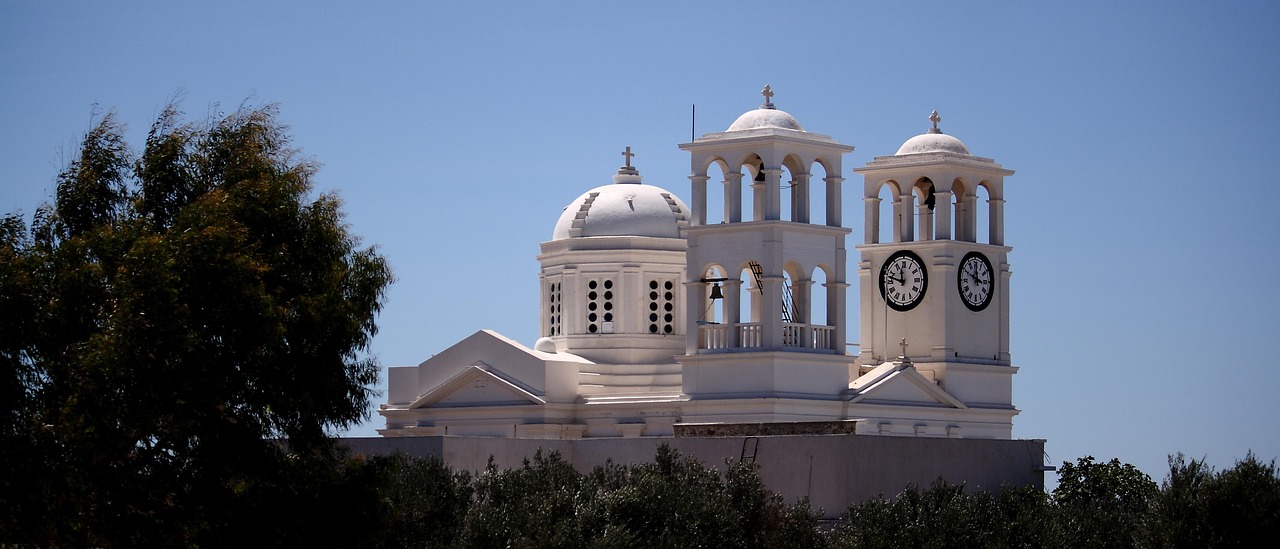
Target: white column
x=924 y=219
x=771 y=311
x=995 y=222
x=733 y=197
x=871 y=220
x=629 y=306
x=834 y=206
x=772 y=194
x=801 y=297
x=699 y=213
x=732 y=308
x=904 y=210
x=800 y=198
x=695 y=296
x=836 y=301
x=571 y=307
x=942 y=223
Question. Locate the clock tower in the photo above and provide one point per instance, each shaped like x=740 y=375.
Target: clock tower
x=934 y=286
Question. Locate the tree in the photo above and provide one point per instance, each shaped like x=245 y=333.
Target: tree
x=1104 y=504
x=946 y=515
x=170 y=319
x=1197 y=507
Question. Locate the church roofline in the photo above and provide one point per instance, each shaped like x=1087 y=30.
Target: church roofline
x=860 y=390
x=881 y=163
x=764 y=135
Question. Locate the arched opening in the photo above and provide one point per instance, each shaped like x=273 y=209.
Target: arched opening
x=714 y=305
x=717 y=210
x=982 y=214
x=750 y=309
x=960 y=212
x=823 y=311
x=715 y=329
x=819 y=195
x=794 y=310
x=794 y=188
x=818 y=295
x=924 y=203
x=886 y=230
x=787 y=195
x=750 y=331
x=753 y=183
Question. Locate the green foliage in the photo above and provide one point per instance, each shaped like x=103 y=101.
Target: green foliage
x=1104 y=504
x=422 y=504
x=1197 y=507
x=945 y=515
x=533 y=506
x=165 y=319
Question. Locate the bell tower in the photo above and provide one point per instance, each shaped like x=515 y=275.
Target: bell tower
x=754 y=349
x=934 y=288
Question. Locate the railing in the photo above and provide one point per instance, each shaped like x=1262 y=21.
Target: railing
x=713 y=337
x=750 y=336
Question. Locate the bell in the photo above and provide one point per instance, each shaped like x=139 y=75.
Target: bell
x=760 y=174
x=716 y=293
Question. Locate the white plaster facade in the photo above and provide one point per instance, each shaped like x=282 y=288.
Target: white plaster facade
x=637 y=338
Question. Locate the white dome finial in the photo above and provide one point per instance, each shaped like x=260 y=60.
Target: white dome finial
x=767 y=92
x=627 y=173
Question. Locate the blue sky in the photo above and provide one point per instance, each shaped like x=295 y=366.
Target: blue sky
x=1145 y=291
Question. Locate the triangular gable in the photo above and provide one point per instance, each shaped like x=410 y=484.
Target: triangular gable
x=476 y=386
x=524 y=366
x=892 y=383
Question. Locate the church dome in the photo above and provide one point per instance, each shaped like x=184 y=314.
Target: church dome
x=767 y=116
x=625 y=208
x=933 y=142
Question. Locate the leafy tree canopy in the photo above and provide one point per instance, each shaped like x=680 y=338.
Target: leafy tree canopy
x=169 y=318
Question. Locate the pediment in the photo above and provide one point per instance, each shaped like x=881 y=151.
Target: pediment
x=476 y=386
x=899 y=384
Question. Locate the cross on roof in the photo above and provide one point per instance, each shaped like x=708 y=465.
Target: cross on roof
x=767 y=92
x=904 y=346
x=628 y=154
x=935 y=119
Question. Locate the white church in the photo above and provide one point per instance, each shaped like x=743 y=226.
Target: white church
x=662 y=319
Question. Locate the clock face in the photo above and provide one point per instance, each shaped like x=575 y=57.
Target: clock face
x=903 y=280
x=975 y=281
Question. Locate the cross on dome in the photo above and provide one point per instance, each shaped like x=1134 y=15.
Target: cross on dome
x=627 y=173
x=935 y=119
x=767 y=92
